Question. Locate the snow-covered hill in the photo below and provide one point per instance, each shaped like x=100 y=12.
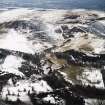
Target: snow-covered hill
x=52 y=57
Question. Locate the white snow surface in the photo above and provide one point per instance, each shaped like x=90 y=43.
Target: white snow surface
x=15 y=41
x=38 y=87
x=92 y=78
x=14 y=14
x=11 y=64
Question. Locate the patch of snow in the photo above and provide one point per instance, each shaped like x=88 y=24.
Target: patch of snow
x=66 y=77
x=52 y=16
x=92 y=78
x=14 y=14
x=11 y=64
x=90 y=101
x=40 y=47
x=41 y=86
x=18 y=89
x=51 y=32
x=98 y=45
x=15 y=41
x=49 y=99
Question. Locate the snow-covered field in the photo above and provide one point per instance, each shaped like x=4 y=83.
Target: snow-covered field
x=25 y=32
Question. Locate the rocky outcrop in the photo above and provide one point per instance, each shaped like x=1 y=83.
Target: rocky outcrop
x=21 y=24
x=79 y=58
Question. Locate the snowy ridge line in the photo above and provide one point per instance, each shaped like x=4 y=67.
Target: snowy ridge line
x=14 y=14
x=10 y=15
